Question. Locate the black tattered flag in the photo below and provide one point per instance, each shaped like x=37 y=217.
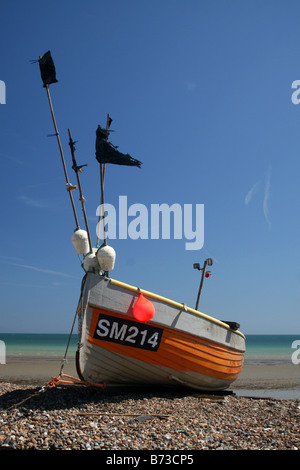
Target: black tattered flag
x=47 y=69
x=107 y=153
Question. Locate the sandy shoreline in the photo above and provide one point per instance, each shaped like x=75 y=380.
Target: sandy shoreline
x=282 y=379
x=34 y=372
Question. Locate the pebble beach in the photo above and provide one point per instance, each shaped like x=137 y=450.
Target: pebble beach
x=85 y=418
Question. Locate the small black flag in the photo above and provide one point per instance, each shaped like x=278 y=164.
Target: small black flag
x=107 y=153
x=47 y=69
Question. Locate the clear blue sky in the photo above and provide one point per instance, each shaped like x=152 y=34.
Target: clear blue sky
x=200 y=92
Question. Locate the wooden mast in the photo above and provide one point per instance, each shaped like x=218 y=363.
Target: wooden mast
x=102 y=177
x=70 y=187
x=77 y=169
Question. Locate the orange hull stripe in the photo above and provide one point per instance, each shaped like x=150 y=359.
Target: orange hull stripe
x=178 y=351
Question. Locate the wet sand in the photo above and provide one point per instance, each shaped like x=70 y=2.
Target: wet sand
x=275 y=380
x=34 y=372
x=280 y=380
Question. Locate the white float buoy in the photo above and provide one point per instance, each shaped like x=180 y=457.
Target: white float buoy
x=80 y=241
x=91 y=262
x=106 y=256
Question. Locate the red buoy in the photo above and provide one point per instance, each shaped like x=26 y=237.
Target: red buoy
x=143 y=310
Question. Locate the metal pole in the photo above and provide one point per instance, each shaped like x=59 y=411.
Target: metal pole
x=69 y=186
x=201 y=284
x=81 y=198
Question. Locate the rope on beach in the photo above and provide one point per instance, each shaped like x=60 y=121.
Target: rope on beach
x=43 y=389
x=57 y=380
x=54 y=383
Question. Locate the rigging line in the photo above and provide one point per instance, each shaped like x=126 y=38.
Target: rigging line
x=69 y=340
x=71 y=332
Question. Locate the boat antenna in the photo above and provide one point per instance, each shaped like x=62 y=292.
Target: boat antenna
x=49 y=76
x=77 y=169
x=207 y=262
x=102 y=178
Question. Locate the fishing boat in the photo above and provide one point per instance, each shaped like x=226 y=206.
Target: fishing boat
x=127 y=335
x=179 y=346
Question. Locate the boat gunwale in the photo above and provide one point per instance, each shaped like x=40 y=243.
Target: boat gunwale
x=182 y=306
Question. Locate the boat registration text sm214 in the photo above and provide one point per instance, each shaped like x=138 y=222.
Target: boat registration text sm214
x=127 y=332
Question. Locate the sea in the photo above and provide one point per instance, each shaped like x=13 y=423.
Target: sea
x=259 y=348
